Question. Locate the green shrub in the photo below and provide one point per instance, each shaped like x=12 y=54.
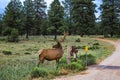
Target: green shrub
x=39 y=72
x=55 y=73
x=7 y=52
x=2 y=39
x=77 y=40
x=94 y=47
x=117 y=36
x=63 y=60
x=80 y=62
x=32 y=49
x=6 y=31
x=96 y=43
x=29 y=49
x=75 y=66
x=80 y=47
x=35 y=72
x=90 y=59
x=27 y=53
x=14 y=36
x=106 y=36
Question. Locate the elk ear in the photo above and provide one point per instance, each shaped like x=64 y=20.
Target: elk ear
x=58 y=42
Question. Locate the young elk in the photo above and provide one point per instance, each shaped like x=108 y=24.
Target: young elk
x=72 y=51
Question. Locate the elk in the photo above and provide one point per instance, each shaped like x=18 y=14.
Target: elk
x=51 y=54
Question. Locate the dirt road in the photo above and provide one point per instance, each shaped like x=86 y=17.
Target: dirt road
x=109 y=69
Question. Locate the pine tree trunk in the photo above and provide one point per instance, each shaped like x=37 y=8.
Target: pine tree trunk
x=111 y=34
x=55 y=37
x=27 y=35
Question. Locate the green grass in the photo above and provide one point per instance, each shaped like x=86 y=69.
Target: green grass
x=19 y=65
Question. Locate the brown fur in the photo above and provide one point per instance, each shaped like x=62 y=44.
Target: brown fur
x=72 y=51
x=51 y=54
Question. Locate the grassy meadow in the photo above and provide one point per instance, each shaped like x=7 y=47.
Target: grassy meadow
x=23 y=58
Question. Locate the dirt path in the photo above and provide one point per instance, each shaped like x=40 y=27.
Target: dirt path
x=109 y=69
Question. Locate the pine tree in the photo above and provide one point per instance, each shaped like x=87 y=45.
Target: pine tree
x=29 y=16
x=118 y=17
x=67 y=16
x=1 y=24
x=83 y=16
x=40 y=15
x=109 y=17
x=56 y=16
x=13 y=13
x=45 y=25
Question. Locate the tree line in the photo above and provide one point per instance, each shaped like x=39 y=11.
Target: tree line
x=73 y=16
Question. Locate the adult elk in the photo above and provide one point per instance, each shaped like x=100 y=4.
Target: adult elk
x=51 y=54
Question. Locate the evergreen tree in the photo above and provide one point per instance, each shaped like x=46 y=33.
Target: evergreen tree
x=109 y=17
x=56 y=17
x=98 y=29
x=40 y=15
x=67 y=16
x=1 y=24
x=13 y=14
x=45 y=25
x=83 y=16
x=29 y=16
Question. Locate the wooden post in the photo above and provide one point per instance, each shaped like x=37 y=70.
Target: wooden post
x=68 y=54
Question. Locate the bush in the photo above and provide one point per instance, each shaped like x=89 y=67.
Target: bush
x=2 y=39
x=80 y=62
x=55 y=73
x=7 y=52
x=94 y=47
x=90 y=59
x=106 y=36
x=39 y=72
x=14 y=36
x=96 y=44
x=63 y=61
x=75 y=66
x=80 y=47
x=6 y=31
x=27 y=53
x=35 y=72
x=117 y=36
x=77 y=40
x=32 y=49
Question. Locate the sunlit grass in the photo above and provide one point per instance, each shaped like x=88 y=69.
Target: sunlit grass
x=18 y=66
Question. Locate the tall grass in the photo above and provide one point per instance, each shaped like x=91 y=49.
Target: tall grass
x=16 y=71
x=19 y=66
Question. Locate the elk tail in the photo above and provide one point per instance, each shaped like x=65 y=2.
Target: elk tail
x=40 y=51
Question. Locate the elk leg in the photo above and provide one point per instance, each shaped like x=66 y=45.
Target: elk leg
x=57 y=62
x=75 y=57
x=41 y=60
x=38 y=64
